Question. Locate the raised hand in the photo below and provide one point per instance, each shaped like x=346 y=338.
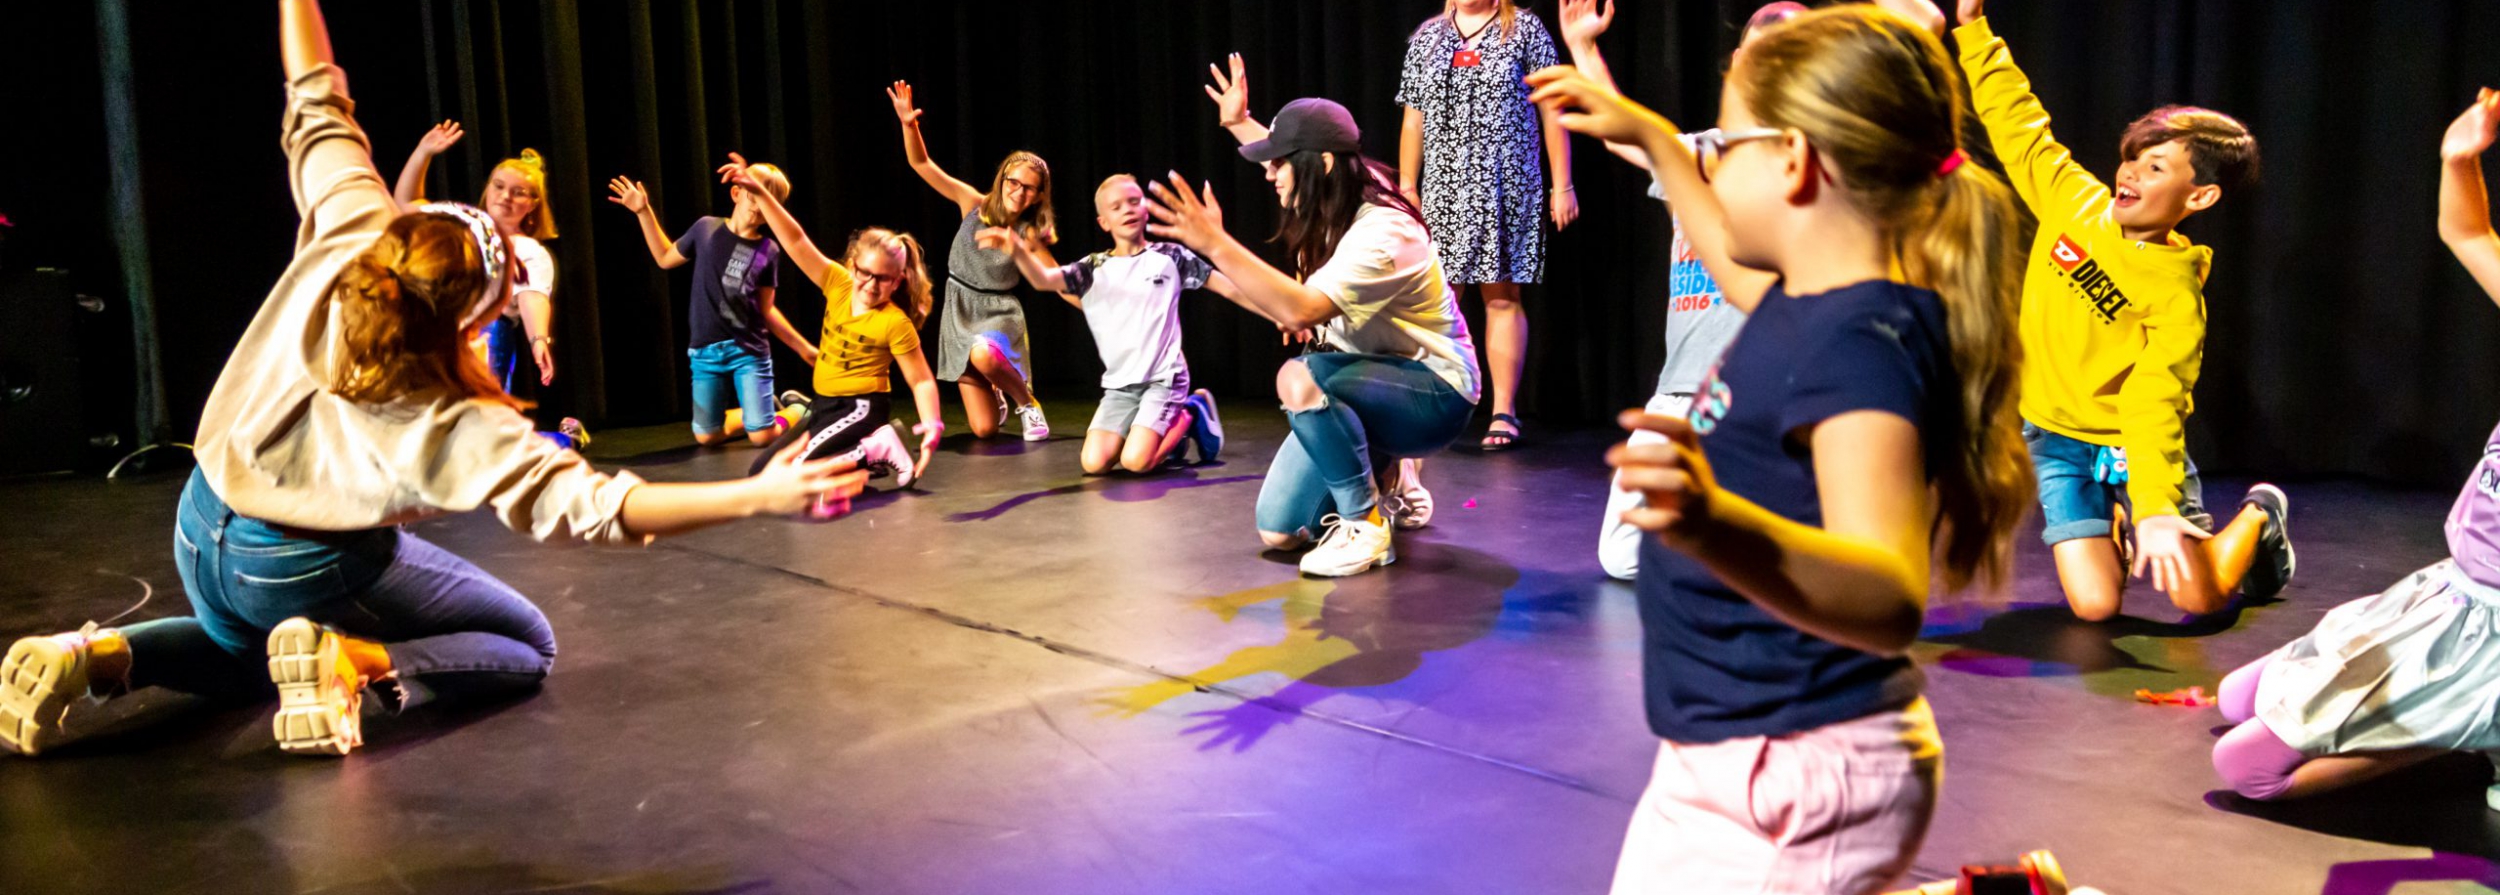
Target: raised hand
x=1583 y=21
x=630 y=194
x=1673 y=477
x=2472 y=132
x=900 y=95
x=1185 y=215
x=1587 y=107
x=1230 y=93
x=1972 y=11
x=735 y=174
x=442 y=137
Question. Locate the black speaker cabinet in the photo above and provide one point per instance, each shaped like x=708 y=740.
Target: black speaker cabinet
x=41 y=426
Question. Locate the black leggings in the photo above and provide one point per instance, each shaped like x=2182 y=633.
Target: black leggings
x=834 y=427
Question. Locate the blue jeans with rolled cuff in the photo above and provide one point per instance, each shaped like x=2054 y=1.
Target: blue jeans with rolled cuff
x=1376 y=409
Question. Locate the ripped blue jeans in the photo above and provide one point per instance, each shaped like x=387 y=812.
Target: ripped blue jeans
x=1379 y=409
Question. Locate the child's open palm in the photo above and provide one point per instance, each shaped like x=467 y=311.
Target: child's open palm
x=441 y=138
x=629 y=193
x=1583 y=21
x=900 y=95
x=2472 y=132
x=1588 y=107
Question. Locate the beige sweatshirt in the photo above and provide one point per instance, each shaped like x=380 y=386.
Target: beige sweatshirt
x=278 y=446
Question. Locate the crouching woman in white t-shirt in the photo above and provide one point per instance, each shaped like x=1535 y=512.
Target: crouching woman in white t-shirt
x=1399 y=379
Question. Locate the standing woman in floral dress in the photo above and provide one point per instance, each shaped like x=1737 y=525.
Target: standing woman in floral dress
x=1468 y=156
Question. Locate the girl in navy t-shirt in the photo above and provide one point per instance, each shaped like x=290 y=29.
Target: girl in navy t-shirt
x=1861 y=428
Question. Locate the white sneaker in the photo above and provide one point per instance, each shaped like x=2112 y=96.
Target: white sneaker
x=320 y=695
x=1408 y=505
x=1036 y=428
x=882 y=453
x=1349 y=547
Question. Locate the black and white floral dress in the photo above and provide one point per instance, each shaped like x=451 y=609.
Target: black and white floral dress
x=1483 y=182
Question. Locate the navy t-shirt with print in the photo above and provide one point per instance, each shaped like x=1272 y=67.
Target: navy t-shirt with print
x=730 y=273
x=1715 y=665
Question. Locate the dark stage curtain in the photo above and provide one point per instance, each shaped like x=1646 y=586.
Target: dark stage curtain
x=2343 y=339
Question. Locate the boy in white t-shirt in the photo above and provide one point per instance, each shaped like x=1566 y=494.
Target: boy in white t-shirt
x=1131 y=298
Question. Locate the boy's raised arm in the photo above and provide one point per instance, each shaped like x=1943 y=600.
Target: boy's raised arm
x=2043 y=171
x=630 y=195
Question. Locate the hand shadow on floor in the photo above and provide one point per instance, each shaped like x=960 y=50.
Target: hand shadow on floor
x=2437 y=805
x=1343 y=634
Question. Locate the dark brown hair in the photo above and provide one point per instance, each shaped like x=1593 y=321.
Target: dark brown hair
x=1325 y=201
x=400 y=303
x=2219 y=147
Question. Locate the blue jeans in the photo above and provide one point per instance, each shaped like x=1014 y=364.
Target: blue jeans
x=450 y=628
x=726 y=371
x=1376 y=407
x=506 y=342
x=2082 y=484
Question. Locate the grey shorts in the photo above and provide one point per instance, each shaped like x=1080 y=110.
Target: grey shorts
x=1154 y=405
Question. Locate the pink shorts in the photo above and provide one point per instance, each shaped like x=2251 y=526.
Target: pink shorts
x=1837 y=809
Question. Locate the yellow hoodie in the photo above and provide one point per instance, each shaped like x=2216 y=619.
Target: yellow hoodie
x=2113 y=329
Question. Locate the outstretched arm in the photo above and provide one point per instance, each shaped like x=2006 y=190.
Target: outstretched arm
x=2464 y=204
x=1231 y=94
x=803 y=252
x=1043 y=277
x=2042 y=170
x=789 y=484
x=1584 y=106
x=411 y=187
x=916 y=151
x=1182 y=215
x=629 y=194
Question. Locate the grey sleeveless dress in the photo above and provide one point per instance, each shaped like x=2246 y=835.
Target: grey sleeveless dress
x=979 y=305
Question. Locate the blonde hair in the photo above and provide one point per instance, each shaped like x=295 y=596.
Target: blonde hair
x=1113 y=179
x=1505 y=10
x=400 y=303
x=1880 y=97
x=773 y=180
x=539 y=223
x=1036 y=220
x=915 y=269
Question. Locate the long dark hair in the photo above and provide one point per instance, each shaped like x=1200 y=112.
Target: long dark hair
x=1325 y=200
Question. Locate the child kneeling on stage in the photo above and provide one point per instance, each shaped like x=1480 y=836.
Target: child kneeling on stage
x=1131 y=297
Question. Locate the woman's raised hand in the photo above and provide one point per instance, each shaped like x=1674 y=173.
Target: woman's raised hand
x=1189 y=217
x=1230 y=93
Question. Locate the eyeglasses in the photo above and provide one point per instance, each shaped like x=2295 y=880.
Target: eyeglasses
x=888 y=280
x=1710 y=147
x=1015 y=184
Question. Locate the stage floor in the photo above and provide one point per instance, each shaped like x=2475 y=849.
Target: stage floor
x=1024 y=680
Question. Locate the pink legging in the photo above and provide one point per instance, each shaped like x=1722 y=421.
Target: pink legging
x=2251 y=758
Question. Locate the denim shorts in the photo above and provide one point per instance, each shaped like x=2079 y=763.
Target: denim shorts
x=1155 y=405
x=2082 y=485
x=725 y=371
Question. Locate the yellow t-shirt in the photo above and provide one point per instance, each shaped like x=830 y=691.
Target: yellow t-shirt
x=2113 y=330
x=857 y=352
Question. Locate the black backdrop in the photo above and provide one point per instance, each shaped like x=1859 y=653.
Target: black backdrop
x=2343 y=339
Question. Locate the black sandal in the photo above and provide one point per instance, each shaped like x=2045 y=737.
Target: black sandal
x=1498 y=440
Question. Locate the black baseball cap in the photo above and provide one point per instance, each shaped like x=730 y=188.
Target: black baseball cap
x=1307 y=123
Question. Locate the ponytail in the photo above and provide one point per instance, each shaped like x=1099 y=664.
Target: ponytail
x=1968 y=249
x=916 y=291
x=400 y=303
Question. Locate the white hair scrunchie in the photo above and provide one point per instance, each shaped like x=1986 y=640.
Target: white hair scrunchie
x=490 y=246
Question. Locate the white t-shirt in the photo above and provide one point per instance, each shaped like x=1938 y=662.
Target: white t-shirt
x=1132 y=304
x=538 y=273
x=1386 y=281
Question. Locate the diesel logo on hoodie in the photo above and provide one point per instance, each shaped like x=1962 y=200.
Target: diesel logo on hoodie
x=2088 y=279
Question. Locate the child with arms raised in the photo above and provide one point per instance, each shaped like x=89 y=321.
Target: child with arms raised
x=1131 y=298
